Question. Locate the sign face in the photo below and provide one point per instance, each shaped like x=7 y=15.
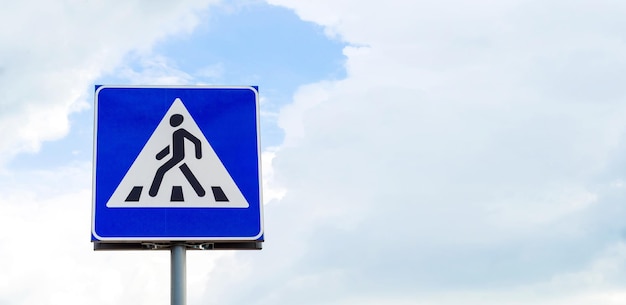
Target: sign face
x=176 y=163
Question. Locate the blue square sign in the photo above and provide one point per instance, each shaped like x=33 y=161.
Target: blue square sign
x=176 y=163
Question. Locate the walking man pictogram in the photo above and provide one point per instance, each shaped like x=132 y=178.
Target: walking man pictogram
x=178 y=155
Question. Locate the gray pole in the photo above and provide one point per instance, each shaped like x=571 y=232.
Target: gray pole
x=178 y=275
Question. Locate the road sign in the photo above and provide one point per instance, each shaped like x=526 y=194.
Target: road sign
x=176 y=163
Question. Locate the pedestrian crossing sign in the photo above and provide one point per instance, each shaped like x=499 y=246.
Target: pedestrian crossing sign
x=176 y=163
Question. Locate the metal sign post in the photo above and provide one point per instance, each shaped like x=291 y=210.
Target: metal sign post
x=178 y=274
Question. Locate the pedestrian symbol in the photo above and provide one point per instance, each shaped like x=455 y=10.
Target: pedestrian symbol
x=178 y=154
x=177 y=166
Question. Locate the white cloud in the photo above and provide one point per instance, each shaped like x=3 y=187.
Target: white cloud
x=271 y=191
x=154 y=70
x=45 y=216
x=53 y=51
x=471 y=150
x=47 y=256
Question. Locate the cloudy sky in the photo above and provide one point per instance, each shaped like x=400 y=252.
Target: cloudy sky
x=415 y=152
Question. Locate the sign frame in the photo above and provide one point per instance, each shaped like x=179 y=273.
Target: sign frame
x=115 y=108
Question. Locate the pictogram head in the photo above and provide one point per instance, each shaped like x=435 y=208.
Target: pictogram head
x=176 y=120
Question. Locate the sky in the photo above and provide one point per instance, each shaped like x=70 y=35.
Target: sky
x=414 y=152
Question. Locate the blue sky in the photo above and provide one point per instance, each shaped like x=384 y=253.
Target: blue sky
x=418 y=152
